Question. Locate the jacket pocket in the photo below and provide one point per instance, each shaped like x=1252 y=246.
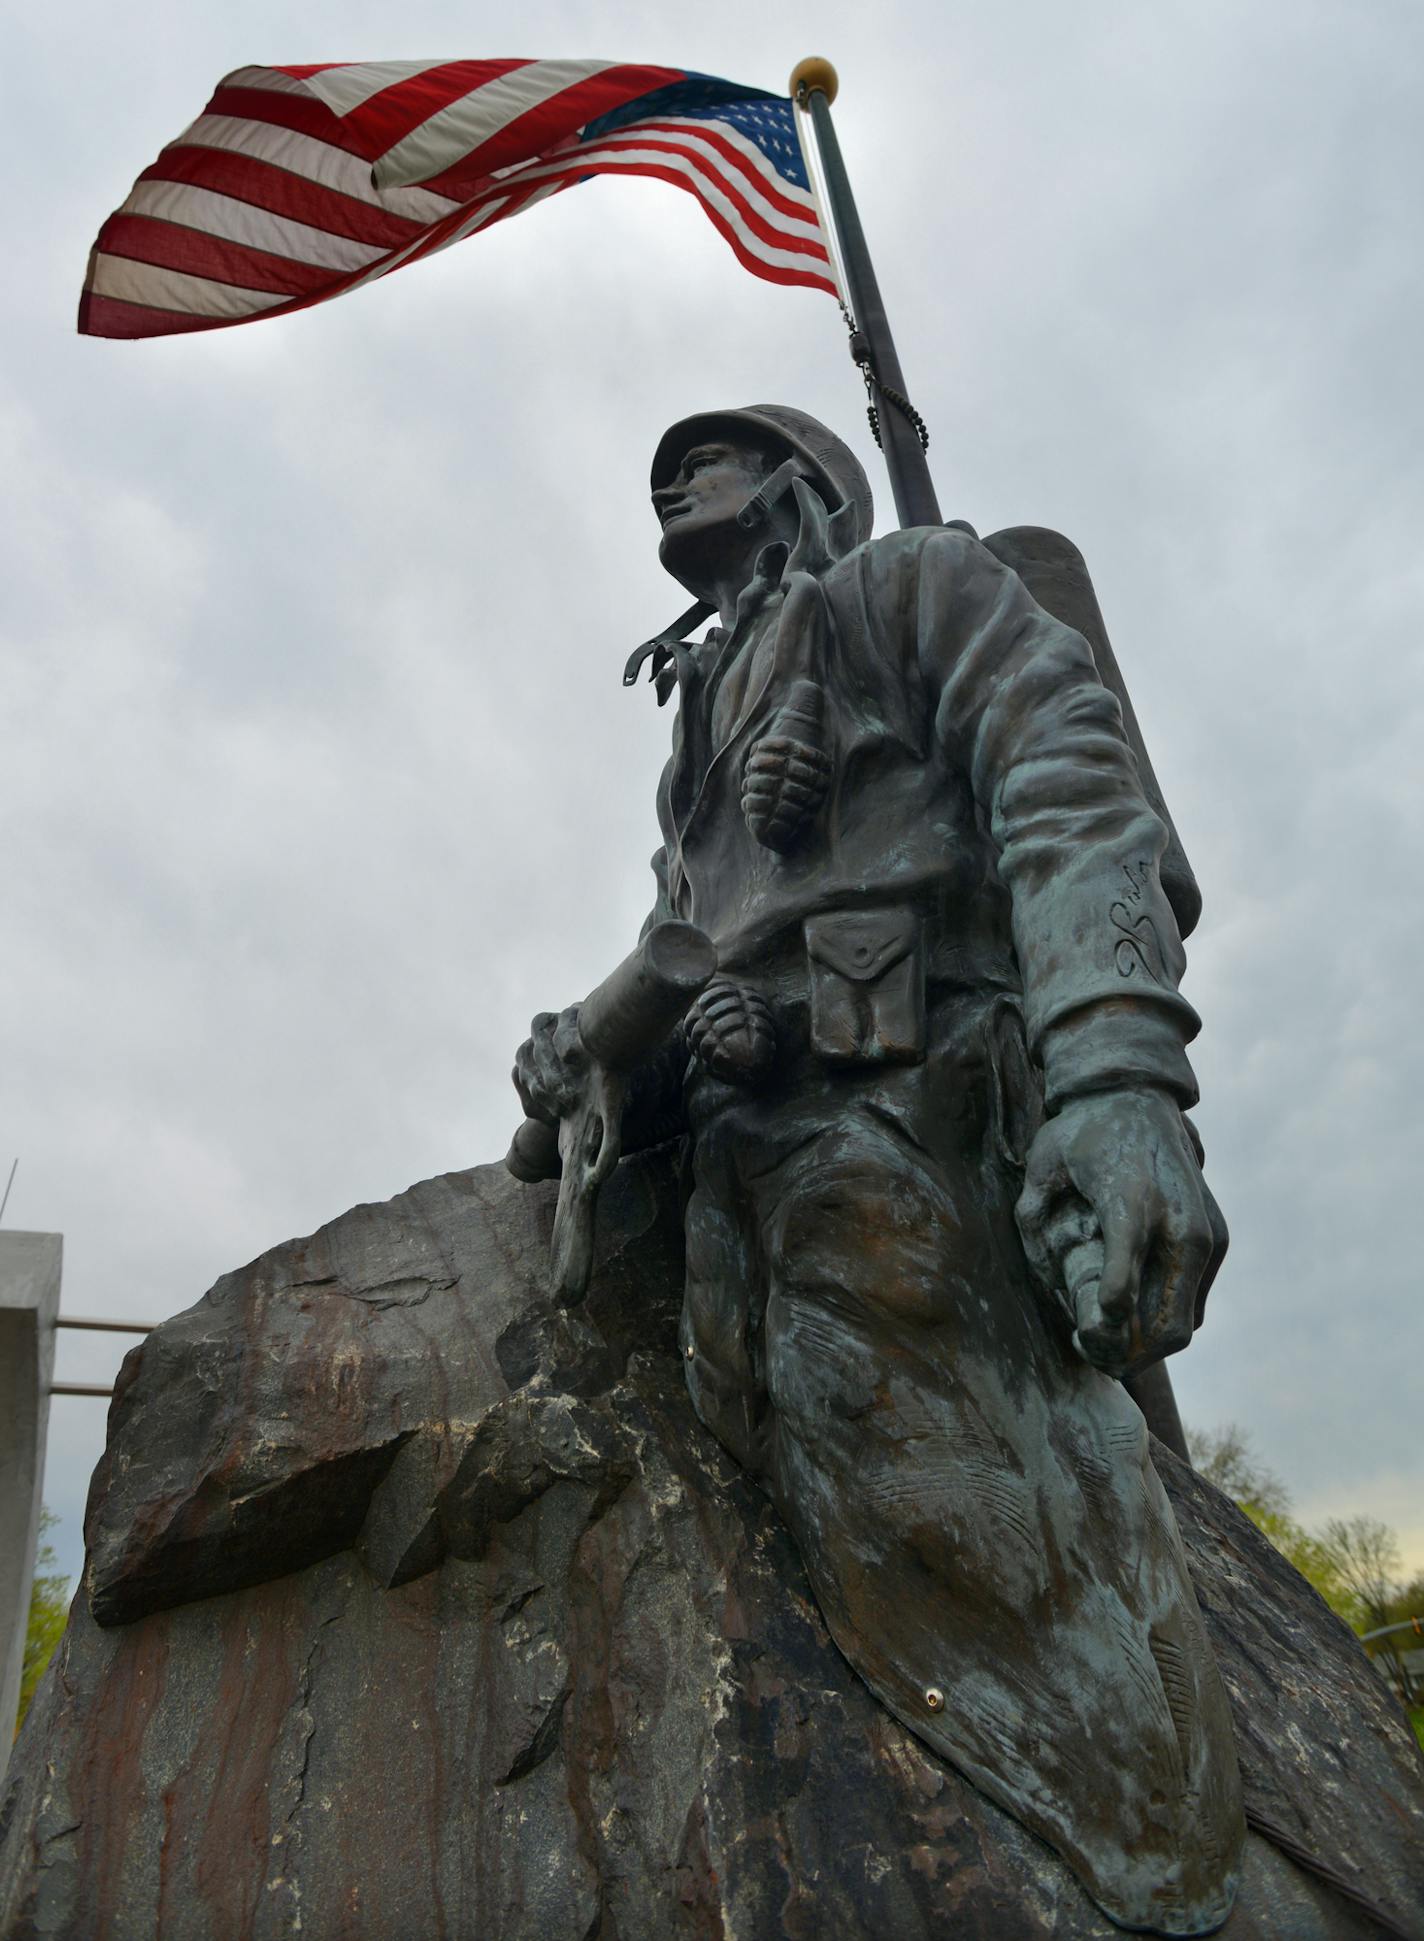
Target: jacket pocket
x=867 y=978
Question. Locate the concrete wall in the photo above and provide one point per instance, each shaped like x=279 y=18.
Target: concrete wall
x=29 y=1302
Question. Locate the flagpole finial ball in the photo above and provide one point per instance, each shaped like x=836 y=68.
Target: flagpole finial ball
x=814 y=73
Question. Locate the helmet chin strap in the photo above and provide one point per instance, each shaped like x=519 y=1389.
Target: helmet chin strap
x=758 y=507
x=660 y=647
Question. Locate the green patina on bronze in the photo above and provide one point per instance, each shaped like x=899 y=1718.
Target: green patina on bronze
x=942 y=1195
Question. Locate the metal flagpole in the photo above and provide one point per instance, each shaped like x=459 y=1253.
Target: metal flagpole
x=898 y=426
x=901 y=435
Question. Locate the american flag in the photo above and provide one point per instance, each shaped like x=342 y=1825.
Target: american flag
x=298 y=183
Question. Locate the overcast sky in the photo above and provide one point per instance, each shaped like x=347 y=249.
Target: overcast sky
x=319 y=778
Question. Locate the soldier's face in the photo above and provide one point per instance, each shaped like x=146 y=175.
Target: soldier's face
x=698 y=508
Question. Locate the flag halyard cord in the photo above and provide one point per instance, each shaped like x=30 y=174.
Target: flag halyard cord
x=858 y=345
x=900 y=432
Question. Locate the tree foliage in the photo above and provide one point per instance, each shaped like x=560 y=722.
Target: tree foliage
x=1224 y=1456
x=49 y=1601
x=1313 y=1558
x=1353 y=1561
x=1366 y=1554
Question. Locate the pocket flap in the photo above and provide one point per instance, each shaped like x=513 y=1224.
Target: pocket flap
x=861 y=944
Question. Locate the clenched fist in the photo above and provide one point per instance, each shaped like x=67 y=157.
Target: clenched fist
x=551 y=1067
x=1119 y=1225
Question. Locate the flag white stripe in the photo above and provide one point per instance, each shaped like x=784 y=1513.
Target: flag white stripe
x=692 y=142
x=450 y=134
x=197 y=296
x=707 y=185
x=345 y=88
x=488 y=211
x=706 y=158
x=492 y=211
x=393 y=261
x=233 y=221
x=276 y=83
x=266 y=78
x=318 y=161
x=766 y=169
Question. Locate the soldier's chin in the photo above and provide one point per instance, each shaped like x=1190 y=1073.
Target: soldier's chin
x=683 y=549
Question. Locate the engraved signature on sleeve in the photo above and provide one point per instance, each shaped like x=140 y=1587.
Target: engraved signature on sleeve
x=1138 y=946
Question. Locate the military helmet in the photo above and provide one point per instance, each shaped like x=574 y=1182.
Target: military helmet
x=833 y=466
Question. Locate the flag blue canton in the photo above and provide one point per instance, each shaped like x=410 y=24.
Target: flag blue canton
x=767 y=120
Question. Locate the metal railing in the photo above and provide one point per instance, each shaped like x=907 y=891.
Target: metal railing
x=1414 y=1624
x=99 y=1325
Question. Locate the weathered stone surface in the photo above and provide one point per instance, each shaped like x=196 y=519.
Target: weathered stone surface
x=433 y=1611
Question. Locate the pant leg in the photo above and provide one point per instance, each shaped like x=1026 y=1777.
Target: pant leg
x=721 y=1333
x=975 y=1506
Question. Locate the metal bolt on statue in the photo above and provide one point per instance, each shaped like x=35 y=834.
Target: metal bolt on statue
x=942 y=1194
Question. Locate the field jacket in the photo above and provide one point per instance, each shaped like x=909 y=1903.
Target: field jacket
x=977 y=785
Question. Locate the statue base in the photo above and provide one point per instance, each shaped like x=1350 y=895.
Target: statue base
x=415 y=1606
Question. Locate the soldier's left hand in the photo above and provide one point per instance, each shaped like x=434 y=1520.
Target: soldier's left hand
x=1118 y=1222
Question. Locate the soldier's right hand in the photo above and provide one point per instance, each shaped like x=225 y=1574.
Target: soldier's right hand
x=551 y=1066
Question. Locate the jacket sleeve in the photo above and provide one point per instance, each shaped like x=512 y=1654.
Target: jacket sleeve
x=1019 y=705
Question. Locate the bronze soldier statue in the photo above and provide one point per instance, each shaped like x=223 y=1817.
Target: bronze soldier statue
x=942 y=1194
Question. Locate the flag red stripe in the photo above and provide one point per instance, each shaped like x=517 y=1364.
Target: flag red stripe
x=758 y=265
x=710 y=132
x=303 y=114
x=112 y=317
x=581 y=162
x=804 y=241
x=511 y=194
x=267 y=186
x=778 y=273
x=538 y=129
x=183 y=320
x=747 y=257
x=170 y=246
x=389 y=116
x=438 y=235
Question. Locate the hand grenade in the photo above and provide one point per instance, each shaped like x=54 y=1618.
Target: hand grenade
x=788 y=771
x=731 y=1033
